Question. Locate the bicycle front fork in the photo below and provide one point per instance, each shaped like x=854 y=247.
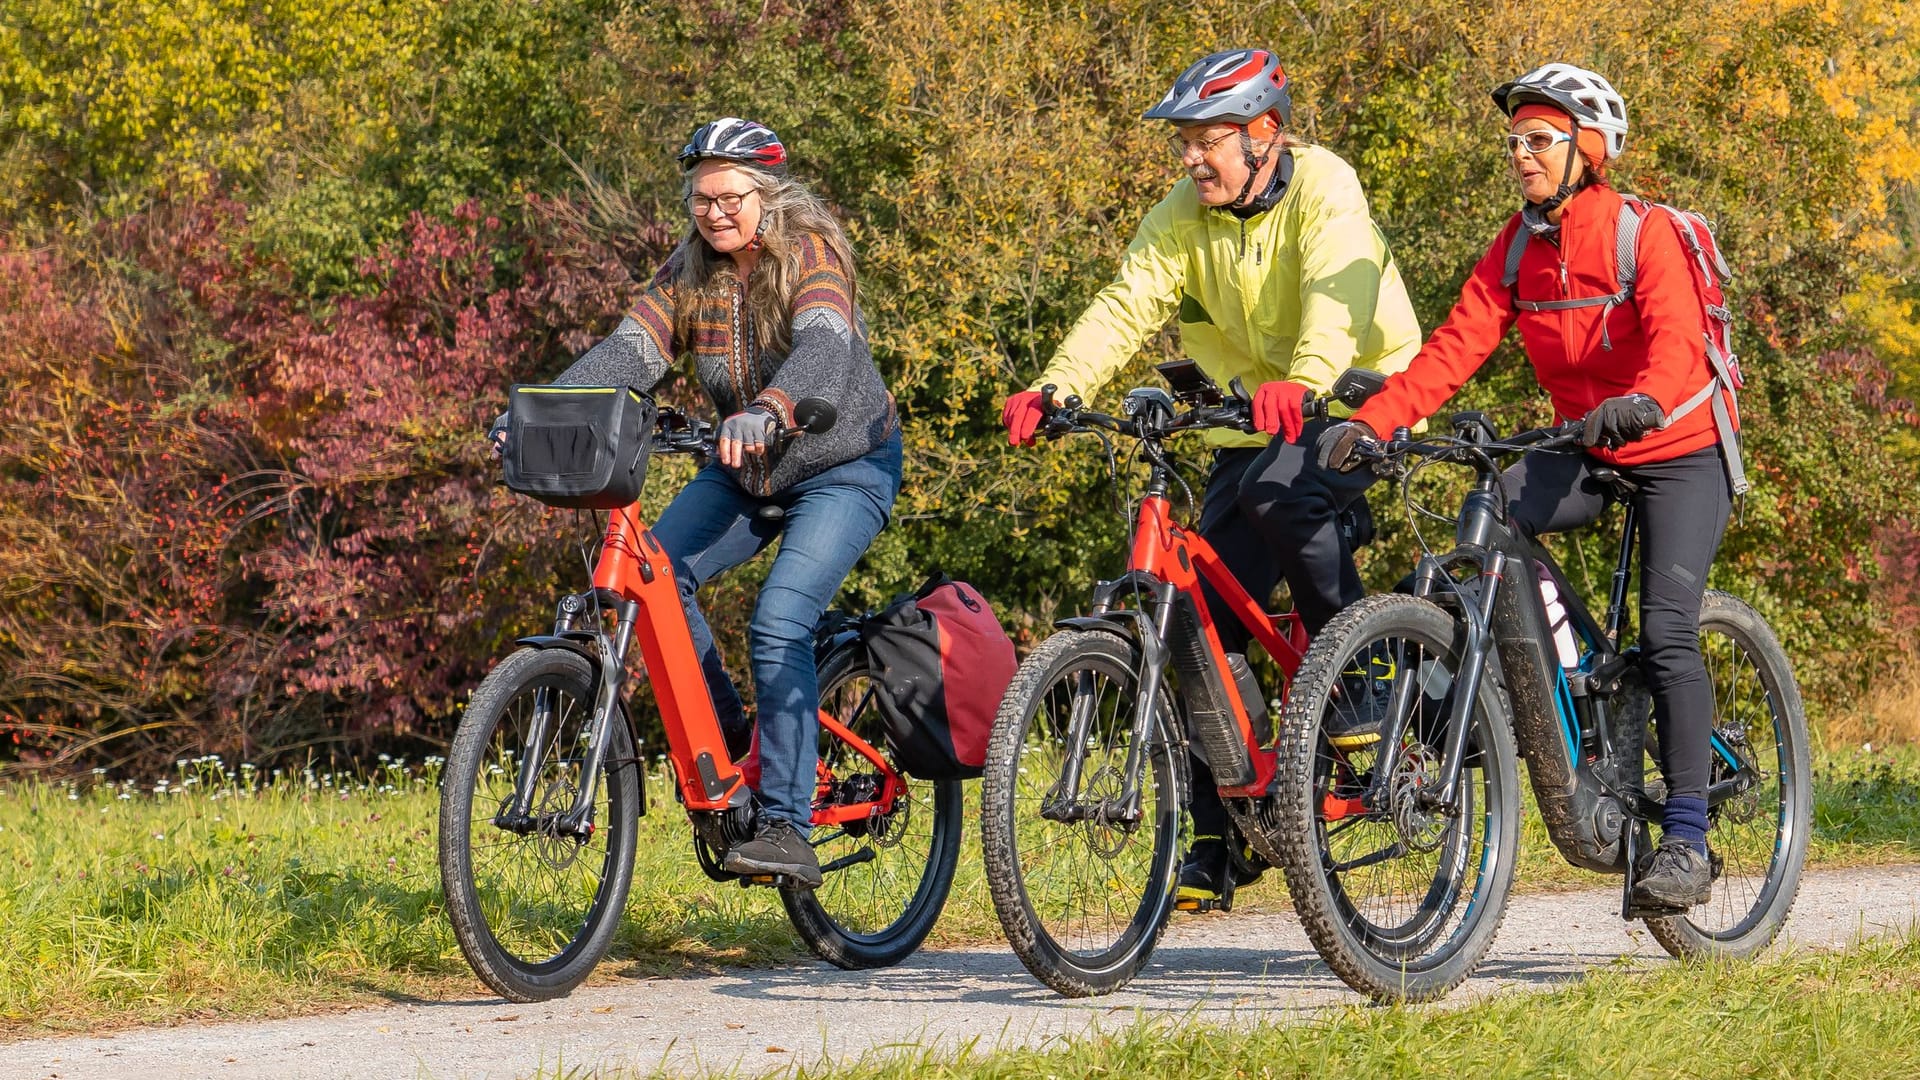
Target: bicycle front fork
x=1063 y=802
x=610 y=653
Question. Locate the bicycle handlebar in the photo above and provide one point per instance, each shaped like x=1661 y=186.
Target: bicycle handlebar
x=676 y=432
x=1473 y=439
x=1157 y=416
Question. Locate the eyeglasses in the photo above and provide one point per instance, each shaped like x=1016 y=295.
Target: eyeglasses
x=1180 y=145
x=1535 y=142
x=728 y=202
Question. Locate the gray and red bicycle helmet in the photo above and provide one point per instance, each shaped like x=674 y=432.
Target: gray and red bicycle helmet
x=733 y=139
x=1235 y=87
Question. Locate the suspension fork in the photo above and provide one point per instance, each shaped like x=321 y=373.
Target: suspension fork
x=1476 y=608
x=533 y=752
x=1062 y=802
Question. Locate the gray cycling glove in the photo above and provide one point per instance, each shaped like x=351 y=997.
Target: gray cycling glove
x=754 y=427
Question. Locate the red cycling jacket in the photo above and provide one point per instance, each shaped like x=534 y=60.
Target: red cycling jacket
x=1657 y=337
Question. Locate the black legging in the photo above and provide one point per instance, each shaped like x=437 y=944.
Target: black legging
x=1682 y=508
x=1271 y=512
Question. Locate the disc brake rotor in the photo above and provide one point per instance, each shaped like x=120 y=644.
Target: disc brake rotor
x=558 y=849
x=1420 y=829
x=1104 y=786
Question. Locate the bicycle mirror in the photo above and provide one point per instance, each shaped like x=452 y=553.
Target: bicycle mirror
x=815 y=416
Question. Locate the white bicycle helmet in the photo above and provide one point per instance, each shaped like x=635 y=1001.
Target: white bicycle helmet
x=1584 y=95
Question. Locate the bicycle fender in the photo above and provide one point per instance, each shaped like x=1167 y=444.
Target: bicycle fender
x=582 y=644
x=1129 y=623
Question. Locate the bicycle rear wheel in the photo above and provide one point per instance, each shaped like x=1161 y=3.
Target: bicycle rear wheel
x=534 y=905
x=1401 y=900
x=1759 y=837
x=895 y=870
x=1083 y=900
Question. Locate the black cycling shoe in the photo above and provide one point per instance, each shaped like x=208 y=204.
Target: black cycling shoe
x=1209 y=875
x=1678 y=876
x=1360 y=703
x=776 y=849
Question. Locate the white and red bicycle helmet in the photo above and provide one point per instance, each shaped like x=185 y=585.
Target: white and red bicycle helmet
x=1584 y=95
x=733 y=139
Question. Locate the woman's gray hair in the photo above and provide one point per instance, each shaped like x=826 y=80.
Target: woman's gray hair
x=788 y=212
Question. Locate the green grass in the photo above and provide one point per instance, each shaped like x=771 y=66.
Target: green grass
x=1807 y=1014
x=240 y=895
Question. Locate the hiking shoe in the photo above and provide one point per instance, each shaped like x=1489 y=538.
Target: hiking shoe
x=1678 y=876
x=776 y=848
x=1208 y=877
x=1359 y=705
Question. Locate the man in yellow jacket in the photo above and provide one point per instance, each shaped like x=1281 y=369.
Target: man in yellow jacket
x=1278 y=275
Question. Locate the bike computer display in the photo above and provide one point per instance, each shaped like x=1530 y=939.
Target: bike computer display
x=1189 y=383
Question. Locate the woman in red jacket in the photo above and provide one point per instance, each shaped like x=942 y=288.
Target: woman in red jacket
x=1633 y=368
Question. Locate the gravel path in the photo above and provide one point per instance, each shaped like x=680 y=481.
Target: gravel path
x=1220 y=968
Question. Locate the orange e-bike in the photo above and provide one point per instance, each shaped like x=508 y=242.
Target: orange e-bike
x=545 y=779
x=1082 y=800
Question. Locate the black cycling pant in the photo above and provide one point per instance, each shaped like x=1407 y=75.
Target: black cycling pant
x=1270 y=512
x=1682 y=507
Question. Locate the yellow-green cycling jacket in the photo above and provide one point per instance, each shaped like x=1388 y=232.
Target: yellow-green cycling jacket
x=1302 y=292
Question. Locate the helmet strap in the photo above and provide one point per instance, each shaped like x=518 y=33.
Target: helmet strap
x=1254 y=165
x=1566 y=189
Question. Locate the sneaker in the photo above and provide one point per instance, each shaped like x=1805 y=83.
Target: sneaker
x=1208 y=877
x=777 y=848
x=1360 y=702
x=1678 y=876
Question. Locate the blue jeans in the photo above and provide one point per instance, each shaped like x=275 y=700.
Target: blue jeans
x=711 y=527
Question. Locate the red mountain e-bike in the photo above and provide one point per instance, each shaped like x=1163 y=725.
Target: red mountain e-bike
x=1083 y=795
x=544 y=782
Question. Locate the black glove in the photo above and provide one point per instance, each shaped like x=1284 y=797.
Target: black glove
x=1337 y=444
x=497 y=436
x=1618 y=421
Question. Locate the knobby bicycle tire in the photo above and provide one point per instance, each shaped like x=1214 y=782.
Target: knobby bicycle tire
x=1068 y=931
x=1751 y=675
x=1337 y=856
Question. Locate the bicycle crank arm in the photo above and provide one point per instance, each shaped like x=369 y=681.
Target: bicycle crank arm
x=864 y=855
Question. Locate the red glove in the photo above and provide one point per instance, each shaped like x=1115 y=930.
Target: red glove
x=1277 y=409
x=1021 y=416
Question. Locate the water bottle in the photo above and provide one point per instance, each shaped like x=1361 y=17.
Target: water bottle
x=1558 y=622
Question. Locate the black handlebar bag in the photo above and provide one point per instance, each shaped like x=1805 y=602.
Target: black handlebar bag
x=581 y=447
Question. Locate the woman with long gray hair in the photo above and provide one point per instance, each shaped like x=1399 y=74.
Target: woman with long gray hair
x=761 y=294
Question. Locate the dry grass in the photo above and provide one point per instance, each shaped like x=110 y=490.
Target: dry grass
x=1887 y=714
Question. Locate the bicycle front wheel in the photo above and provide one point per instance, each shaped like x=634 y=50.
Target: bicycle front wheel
x=1758 y=837
x=535 y=897
x=1083 y=891
x=893 y=870
x=1402 y=899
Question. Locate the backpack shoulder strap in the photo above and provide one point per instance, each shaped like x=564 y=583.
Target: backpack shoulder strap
x=1626 y=243
x=1514 y=250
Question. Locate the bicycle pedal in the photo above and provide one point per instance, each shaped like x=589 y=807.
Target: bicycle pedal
x=1652 y=911
x=1200 y=905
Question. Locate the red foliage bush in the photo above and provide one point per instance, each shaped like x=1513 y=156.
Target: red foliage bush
x=237 y=520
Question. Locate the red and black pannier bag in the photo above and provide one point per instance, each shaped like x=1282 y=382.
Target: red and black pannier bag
x=941 y=663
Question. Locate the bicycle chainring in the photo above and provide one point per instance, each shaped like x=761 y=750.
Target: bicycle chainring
x=1258 y=820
